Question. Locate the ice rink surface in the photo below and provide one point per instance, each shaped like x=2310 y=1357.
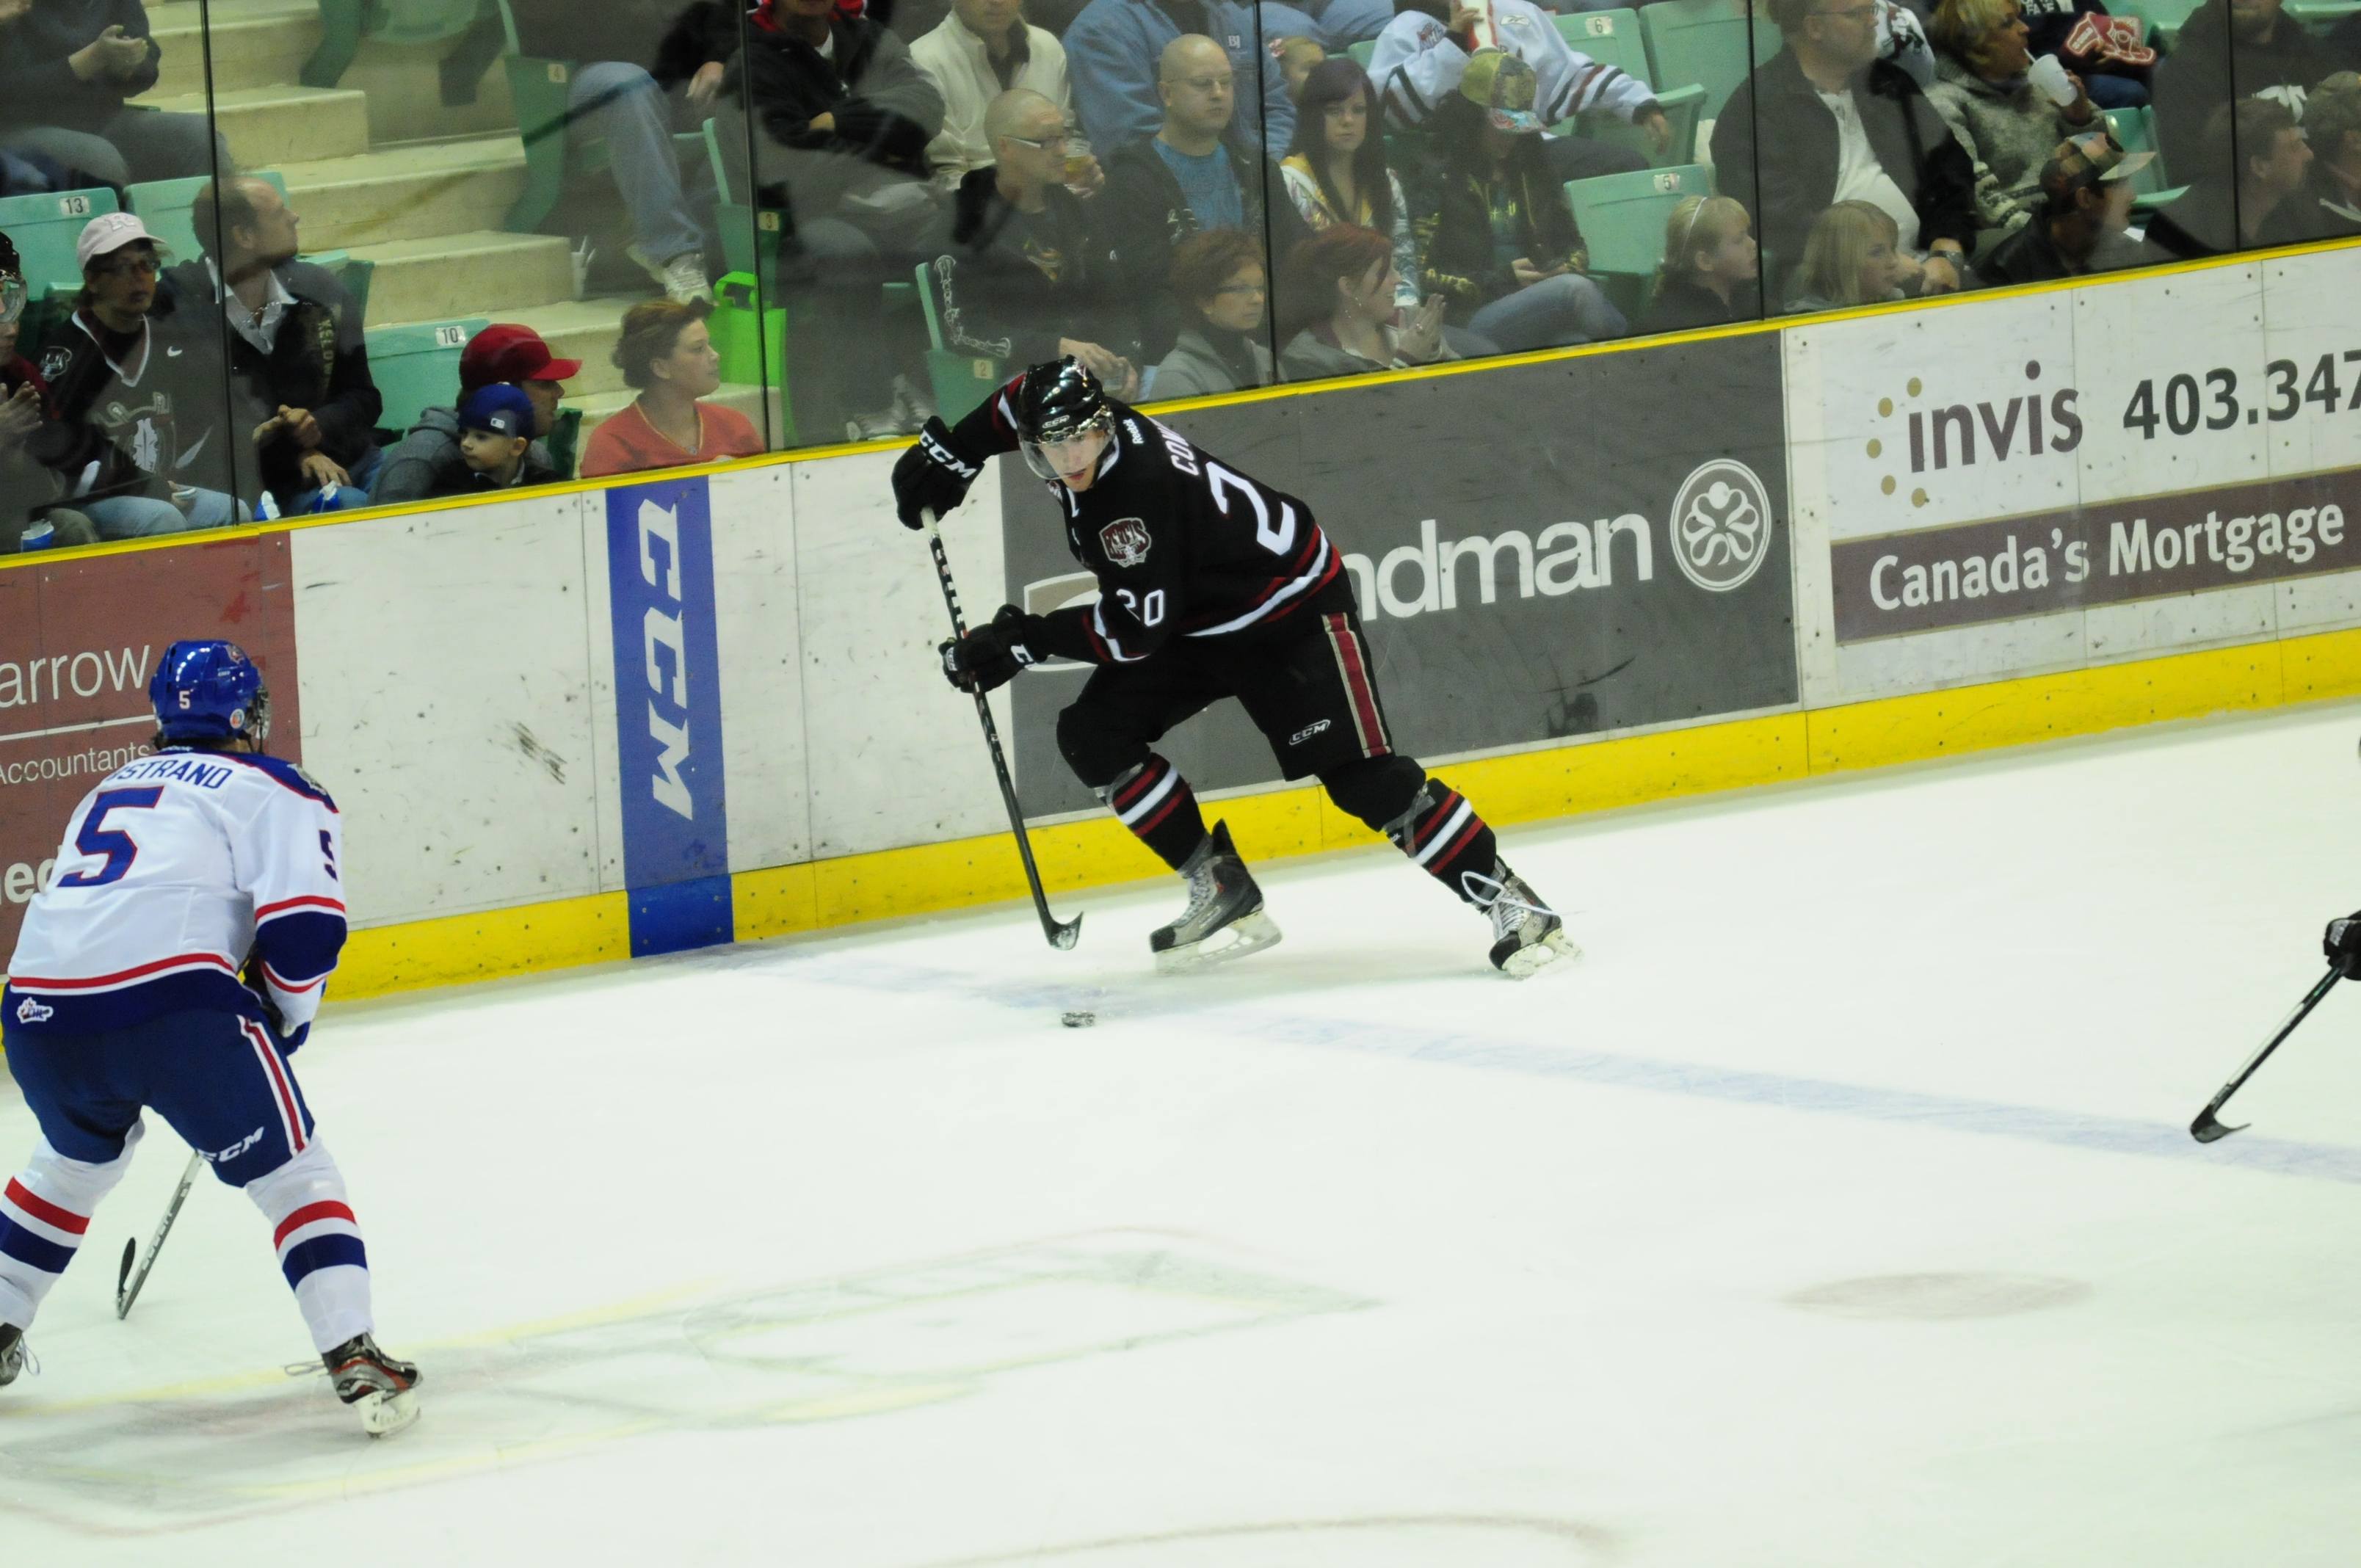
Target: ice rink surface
x=1835 y=1209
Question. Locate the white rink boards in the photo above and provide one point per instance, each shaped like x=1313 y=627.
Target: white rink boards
x=1834 y=1210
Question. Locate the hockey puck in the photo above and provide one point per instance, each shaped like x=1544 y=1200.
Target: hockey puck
x=1078 y=1020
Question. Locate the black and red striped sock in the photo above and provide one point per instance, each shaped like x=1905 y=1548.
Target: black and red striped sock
x=1154 y=801
x=1442 y=834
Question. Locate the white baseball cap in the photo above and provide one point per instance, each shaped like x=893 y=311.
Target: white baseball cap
x=108 y=233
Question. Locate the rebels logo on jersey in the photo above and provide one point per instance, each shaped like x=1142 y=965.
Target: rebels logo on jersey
x=1126 y=542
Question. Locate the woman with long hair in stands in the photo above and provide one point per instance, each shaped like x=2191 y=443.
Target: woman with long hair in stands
x=1336 y=172
x=1358 y=325
x=667 y=354
x=1853 y=257
x=1712 y=268
x=1225 y=294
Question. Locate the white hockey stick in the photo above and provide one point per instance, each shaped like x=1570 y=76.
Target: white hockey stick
x=127 y=1283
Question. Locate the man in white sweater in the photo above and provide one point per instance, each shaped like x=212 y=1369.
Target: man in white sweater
x=985 y=47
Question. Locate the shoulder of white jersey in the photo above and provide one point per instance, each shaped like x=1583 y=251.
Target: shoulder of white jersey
x=280 y=771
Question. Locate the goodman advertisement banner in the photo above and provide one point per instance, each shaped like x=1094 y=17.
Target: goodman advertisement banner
x=1580 y=547
x=79 y=640
x=2078 y=476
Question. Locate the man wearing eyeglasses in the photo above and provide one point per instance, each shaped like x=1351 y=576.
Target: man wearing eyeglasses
x=1026 y=278
x=127 y=394
x=1825 y=120
x=1200 y=171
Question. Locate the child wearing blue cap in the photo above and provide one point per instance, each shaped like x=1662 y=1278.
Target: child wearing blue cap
x=496 y=425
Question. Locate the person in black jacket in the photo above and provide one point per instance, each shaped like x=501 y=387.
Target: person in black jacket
x=1195 y=173
x=68 y=71
x=2236 y=49
x=1781 y=143
x=2265 y=202
x=2083 y=224
x=300 y=398
x=648 y=64
x=842 y=117
x=1027 y=276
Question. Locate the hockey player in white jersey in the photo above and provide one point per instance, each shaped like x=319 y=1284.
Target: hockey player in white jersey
x=178 y=873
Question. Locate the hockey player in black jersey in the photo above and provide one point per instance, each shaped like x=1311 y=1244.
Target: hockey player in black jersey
x=1212 y=584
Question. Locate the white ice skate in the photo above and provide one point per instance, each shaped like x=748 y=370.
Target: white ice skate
x=1224 y=919
x=382 y=1390
x=1527 y=936
x=15 y=1356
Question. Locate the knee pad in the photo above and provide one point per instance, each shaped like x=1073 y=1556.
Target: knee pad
x=1098 y=758
x=1378 y=790
x=310 y=1178
x=78 y=1186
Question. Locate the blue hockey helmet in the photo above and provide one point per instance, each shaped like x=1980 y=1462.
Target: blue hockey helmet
x=207 y=690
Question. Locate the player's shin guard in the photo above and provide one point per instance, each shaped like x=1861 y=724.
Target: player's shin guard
x=319 y=1245
x=1154 y=801
x=45 y=1211
x=1442 y=835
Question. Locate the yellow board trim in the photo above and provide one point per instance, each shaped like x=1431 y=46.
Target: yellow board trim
x=1525 y=786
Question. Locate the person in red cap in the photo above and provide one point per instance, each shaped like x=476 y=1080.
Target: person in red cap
x=427 y=461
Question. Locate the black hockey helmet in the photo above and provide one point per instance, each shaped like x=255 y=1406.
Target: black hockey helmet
x=1060 y=401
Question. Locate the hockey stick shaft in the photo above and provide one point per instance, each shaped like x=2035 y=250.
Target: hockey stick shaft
x=2207 y=1128
x=1061 y=934
x=126 y=1282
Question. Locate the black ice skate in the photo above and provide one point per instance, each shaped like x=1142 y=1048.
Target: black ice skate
x=1224 y=919
x=14 y=1356
x=1526 y=935
x=379 y=1387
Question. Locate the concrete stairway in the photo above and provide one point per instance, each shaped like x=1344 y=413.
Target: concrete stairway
x=380 y=167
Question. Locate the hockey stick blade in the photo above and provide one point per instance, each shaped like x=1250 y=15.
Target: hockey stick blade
x=123 y=1277
x=2209 y=1127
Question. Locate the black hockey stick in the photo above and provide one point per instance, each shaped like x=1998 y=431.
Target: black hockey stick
x=1062 y=934
x=127 y=1283
x=2208 y=1127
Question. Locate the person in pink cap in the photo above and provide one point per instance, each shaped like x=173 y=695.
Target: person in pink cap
x=427 y=462
x=136 y=434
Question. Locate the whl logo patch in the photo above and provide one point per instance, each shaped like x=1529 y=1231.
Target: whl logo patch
x=1126 y=541
x=31 y=1012
x=1721 y=526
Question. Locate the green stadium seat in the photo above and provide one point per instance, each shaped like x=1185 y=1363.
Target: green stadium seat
x=1623 y=216
x=416 y=366
x=1702 y=43
x=1362 y=52
x=960 y=381
x=2318 y=14
x=1613 y=38
x=45 y=228
x=344 y=23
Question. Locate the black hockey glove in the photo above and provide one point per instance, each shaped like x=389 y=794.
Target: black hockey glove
x=933 y=476
x=273 y=1019
x=990 y=656
x=2342 y=943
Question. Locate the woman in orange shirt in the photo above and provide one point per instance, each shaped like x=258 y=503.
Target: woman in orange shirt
x=666 y=353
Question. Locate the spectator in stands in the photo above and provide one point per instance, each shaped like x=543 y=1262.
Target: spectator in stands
x=1296 y=58
x=1854 y=256
x=2085 y=218
x=1217 y=275
x=68 y=70
x=2332 y=128
x=1196 y=172
x=2237 y=49
x=985 y=47
x=1712 y=270
x=843 y=122
x=121 y=379
x=1028 y=279
x=1116 y=51
x=2251 y=192
x=2109 y=53
x=496 y=443
x=427 y=461
x=666 y=354
x=1336 y=171
x=1364 y=327
x=29 y=488
x=1507 y=256
x=649 y=66
x=2006 y=123
x=297 y=367
x=1824 y=121
x=1423 y=51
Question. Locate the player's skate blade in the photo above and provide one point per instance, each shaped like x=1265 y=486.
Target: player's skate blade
x=382 y=1390
x=1224 y=919
x=1527 y=936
